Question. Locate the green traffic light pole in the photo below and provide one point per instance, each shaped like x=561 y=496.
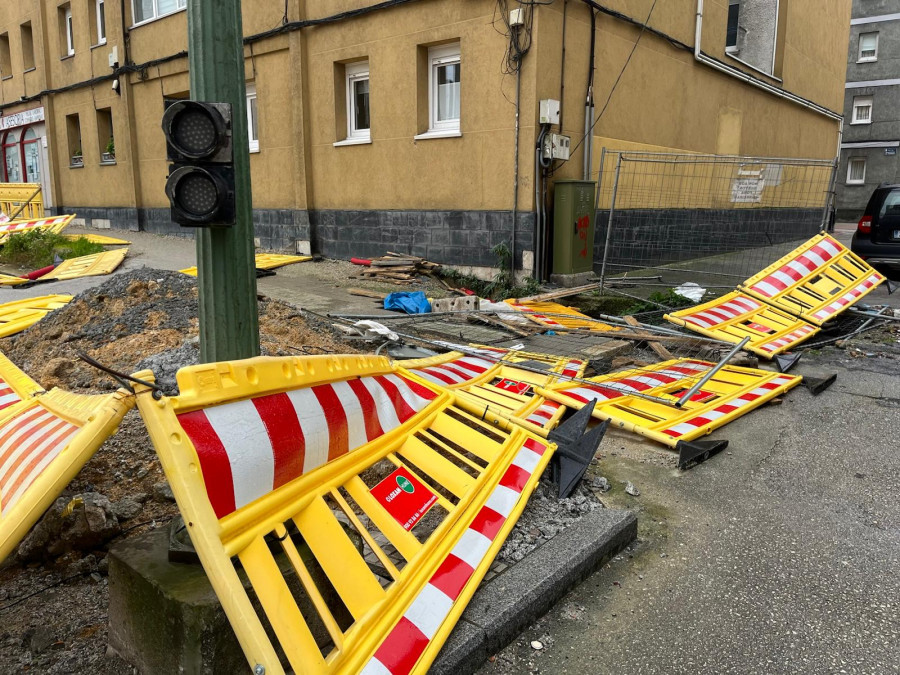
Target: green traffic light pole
x=226 y=271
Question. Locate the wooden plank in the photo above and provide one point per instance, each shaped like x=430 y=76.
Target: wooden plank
x=657 y=348
x=367 y=294
x=561 y=293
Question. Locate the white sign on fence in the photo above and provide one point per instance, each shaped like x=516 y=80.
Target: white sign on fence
x=747 y=190
x=22 y=118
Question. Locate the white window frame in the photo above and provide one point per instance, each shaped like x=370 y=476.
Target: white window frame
x=850 y=162
x=866 y=59
x=180 y=6
x=251 y=96
x=70 y=31
x=860 y=102
x=353 y=73
x=442 y=55
x=101 y=22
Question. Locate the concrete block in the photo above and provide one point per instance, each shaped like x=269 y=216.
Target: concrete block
x=572 y=280
x=100 y=223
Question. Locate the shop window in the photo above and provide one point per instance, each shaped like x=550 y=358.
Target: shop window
x=444 y=90
x=21 y=156
x=27 y=46
x=856 y=171
x=66 y=31
x=862 y=110
x=147 y=10
x=252 y=118
x=105 y=136
x=98 y=31
x=868 y=47
x=5 y=63
x=73 y=139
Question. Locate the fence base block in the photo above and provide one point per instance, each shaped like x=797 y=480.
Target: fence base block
x=694 y=452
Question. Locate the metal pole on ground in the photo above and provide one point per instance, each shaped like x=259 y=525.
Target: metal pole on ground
x=226 y=274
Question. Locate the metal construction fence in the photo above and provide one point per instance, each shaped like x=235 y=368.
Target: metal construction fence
x=714 y=220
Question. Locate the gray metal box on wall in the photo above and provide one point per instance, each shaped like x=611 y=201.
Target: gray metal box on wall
x=573 y=226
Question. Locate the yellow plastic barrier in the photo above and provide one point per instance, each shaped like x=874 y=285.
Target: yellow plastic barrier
x=15 y=385
x=815 y=281
x=260 y=451
x=735 y=316
x=54 y=224
x=263 y=261
x=18 y=315
x=539 y=311
x=14 y=195
x=44 y=442
x=96 y=264
x=101 y=239
x=731 y=393
x=9 y=280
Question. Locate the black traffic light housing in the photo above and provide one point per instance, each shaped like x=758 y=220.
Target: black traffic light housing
x=200 y=186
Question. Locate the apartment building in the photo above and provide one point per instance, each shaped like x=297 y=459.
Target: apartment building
x=871 y=106
x=397 y=127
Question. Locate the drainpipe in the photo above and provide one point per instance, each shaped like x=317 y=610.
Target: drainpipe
x=749 y=79
x=589 y=104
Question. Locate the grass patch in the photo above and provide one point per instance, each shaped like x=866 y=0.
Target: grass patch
x=38 y=248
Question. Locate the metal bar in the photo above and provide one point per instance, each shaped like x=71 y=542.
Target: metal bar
x=875 y=315
x=609 y=221
x=715 y=369
x=829 y=196
x=26 y=203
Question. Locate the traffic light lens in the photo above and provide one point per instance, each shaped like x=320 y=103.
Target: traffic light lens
x=197 y=194
x=194 y=131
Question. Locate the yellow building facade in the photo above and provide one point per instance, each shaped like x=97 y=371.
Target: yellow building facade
x=394 y=128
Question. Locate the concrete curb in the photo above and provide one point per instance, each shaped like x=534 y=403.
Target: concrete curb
x=507 y=604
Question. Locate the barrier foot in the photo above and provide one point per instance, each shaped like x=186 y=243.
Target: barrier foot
x=891 y=286
x=694 y=452
x=575 y=448
x=784 y=362
x=181 y=550
x=817 y=385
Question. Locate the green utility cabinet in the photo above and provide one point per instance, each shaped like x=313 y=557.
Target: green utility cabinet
x=573 y=226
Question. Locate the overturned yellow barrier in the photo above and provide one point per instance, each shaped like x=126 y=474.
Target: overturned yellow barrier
x=18 y=315
x=731 y=393
x=44 y=442
x=54 y=224
x=9 y=280
x=263 y=261
x=15 y=385
x=815 y=281
x=96 y=264
x=735 y=316
x=548 y=314
x=101 y=239
x=262 y=452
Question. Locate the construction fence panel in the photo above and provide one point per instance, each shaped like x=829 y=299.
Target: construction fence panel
x=21 y=201
x=709 y=219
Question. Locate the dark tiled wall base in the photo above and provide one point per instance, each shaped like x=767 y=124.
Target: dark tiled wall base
x=449 y=237
x=659 y=236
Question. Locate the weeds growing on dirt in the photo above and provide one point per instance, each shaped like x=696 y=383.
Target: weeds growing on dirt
x=37 y=248
x=503 y=284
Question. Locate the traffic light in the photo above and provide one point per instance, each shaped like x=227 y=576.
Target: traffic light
x=200 y=186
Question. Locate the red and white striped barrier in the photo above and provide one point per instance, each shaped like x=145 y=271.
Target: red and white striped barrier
x=794 y=336
x=635 y=382
x=572 y=368
x=848 y=298
x=409 y=638
x=720 y=411
x=8 y=395
x=13 y=226
x=249 y=448
x=29 y=442
x=455 y=372
x=804 y=265
x=723 y=313
x=544 y=413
